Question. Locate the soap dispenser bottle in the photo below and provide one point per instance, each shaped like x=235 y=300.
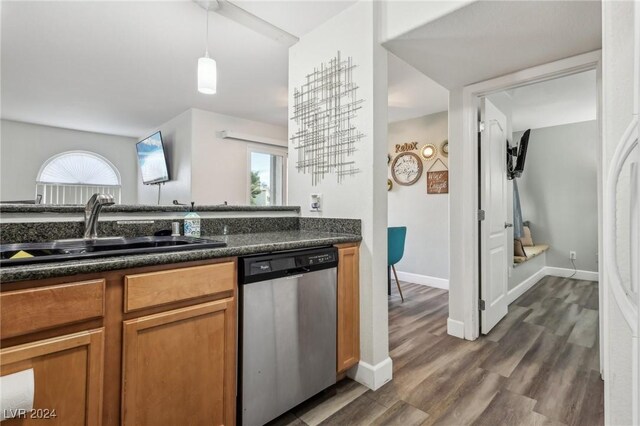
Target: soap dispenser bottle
x=192 y=223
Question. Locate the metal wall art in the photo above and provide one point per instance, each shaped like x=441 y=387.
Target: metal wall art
x=324 y=110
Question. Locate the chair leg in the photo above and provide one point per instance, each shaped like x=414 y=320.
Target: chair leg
x=397 y=281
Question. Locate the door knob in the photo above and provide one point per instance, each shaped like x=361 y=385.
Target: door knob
x=508 y=225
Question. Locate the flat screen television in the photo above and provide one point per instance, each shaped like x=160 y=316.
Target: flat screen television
x=521 y=155
x=152 y=159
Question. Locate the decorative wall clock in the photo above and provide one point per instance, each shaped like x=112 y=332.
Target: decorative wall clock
x=444 y=148
x=428 y=151
x=406 y=168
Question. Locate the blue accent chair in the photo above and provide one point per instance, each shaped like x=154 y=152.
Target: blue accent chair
x=395 y=240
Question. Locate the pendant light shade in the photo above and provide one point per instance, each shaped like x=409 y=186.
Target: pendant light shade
x=207 y=75
x=207 y=69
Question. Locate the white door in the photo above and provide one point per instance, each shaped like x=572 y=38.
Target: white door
x=493 y=200
x=621 y=211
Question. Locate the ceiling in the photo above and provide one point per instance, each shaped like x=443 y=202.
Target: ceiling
x=411 y=93
x=487 y=39
x=295 y=17
x=564 y=100
x=125 y=67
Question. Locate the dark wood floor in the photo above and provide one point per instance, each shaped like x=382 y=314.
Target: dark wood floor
x=539 y=366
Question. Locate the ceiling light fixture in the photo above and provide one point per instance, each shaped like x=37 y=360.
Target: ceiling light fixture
x=207 y=69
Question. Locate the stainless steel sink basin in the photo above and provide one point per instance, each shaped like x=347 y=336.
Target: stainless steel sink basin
x=60 y=250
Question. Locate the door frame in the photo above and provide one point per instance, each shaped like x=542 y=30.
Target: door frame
x=466 y=121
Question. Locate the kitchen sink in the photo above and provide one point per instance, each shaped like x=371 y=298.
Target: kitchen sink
x=75 y=249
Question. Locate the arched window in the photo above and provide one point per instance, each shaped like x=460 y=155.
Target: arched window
x=73 y=176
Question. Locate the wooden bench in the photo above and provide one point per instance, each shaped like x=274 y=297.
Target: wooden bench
x=531 y=252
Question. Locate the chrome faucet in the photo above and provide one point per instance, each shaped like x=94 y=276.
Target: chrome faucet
x=91 y=213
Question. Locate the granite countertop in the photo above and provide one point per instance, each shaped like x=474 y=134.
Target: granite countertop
x=130 y=208
x=237 y=245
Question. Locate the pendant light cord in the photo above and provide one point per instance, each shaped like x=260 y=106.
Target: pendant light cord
x=206 y=40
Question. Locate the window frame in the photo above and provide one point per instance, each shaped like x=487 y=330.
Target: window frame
x=280 y=151
x=88 y=153
x=52 y=192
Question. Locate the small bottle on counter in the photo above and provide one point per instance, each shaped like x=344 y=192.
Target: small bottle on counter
x=192 y=223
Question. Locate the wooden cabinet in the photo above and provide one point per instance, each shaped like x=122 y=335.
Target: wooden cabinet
x=348 y=343
x=144 y=346
x=179 y=366
x=67 y=373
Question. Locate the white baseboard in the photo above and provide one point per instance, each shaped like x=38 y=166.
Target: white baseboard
x=525 y=285
x=455 y=328
x=372 y=376
x=423 y=280
x=565 y=272
x=545 y=271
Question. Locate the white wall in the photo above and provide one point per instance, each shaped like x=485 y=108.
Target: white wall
x=220 y=166
x=204 y=167
x=524 y=271
x=176 y=136
x=24 y=147
x=355 y=33
x=462 y=211
x=558 y=192
x=426 y=216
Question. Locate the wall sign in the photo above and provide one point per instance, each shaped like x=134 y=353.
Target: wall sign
x=406 y=169
x=438 y=181
x=407 y=146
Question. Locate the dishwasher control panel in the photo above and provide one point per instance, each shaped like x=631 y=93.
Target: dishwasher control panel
x=276 y=265
x=318 y=259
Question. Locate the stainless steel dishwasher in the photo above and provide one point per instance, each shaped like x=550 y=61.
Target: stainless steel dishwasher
x=287 y=331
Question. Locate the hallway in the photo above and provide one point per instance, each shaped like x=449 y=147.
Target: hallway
x=538 y=366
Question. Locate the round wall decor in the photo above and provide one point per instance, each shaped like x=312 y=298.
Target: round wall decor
x=428 y=151
x=406 y=168
x=389 y=184
x=444 y=148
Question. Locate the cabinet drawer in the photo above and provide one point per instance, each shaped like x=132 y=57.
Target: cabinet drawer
x=35 y=309
x=160 y=288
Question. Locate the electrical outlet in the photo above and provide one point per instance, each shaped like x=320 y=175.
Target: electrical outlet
x=572 y=255
x=315 y=204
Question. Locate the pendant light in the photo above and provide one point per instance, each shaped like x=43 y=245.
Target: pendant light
x=207 y=69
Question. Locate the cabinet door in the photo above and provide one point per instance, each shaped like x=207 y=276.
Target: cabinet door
x=348 y=308
x=180 y=368
x=67 y=374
